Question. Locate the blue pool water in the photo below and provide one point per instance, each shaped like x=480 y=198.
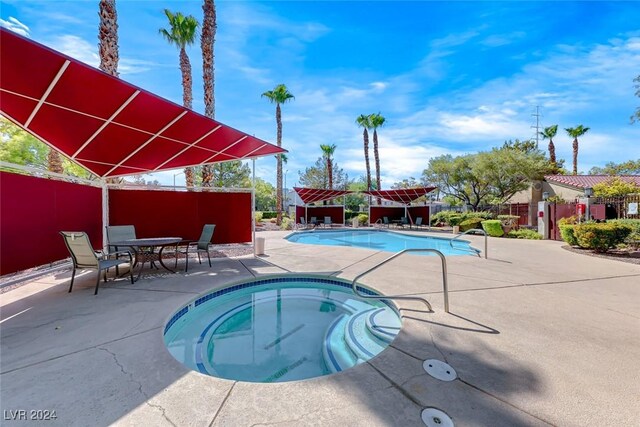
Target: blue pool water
x=280 y=329
x=380 y=240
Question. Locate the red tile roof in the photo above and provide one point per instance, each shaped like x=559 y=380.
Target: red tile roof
x=583 y=181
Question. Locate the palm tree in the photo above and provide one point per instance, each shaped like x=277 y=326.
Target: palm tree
x=327 y=152
x=575 y=133
x=108 y=37
x=182 y=33
x=279 y=95
x=550 y=133
x=207 y=41
x=376 y=120
x=365 y=122
x=54 y=161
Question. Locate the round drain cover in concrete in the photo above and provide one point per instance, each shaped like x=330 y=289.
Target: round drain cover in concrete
x=439 y=370
x=433 y=417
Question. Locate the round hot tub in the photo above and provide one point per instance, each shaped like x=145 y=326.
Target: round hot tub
x=281 y=328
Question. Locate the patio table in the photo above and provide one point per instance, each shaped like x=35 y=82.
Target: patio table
x=147 y=250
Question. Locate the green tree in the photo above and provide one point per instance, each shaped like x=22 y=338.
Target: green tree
x=232 y=174
x=410 y=182
x=353 y=201
x=207 y=41
x=630 y=167
x=615 y=187
x=182 y=33
x=575 y=133
x=316 y=176
x=265 y=195
x=486 y=177
x=327 y=153
x=550 y=133
x=376 y=121
x=279 y=95
x=636 y=116
x=364 y=122
x=20 y=147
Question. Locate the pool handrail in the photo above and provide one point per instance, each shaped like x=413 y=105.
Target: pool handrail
x=475 y=251
x=445 y=284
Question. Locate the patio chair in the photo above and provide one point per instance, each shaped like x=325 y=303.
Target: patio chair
x=327 y=221
x=313 y=221
x=419 y=223
x=403 y=221
x=83 y=256
x=385 y=221
x=201 y=245
x=118 y=233
x=303 y=223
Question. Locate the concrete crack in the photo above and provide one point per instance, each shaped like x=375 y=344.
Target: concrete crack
x=224 y=401
x=139 y=384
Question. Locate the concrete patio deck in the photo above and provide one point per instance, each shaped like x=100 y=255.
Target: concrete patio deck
x=538 y=335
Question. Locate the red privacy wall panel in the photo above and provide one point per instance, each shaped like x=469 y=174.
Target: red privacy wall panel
x=182 y=214
x=335 y=212
x=32 y=213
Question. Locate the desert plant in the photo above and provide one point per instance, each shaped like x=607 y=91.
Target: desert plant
x=568 y=220
x=524 y=233
x=471 y=223
x=363 y=219
x=493 y=227
x=601 y=236
x=257 y=216
x=454 y=220
x=509 y=220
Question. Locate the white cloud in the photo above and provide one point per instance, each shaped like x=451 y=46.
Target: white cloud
x=16 y=26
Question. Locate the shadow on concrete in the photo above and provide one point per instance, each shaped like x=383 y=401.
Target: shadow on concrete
x=485 y=329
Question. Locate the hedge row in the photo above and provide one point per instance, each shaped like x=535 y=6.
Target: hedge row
x=597 y=236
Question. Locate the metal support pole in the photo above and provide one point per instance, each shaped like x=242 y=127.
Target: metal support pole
x=253 y=206
x=105 y=214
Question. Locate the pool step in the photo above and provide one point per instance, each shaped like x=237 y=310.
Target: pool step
x=358 y=336
x=384 y=324
x=360 y=340
x=336 y=353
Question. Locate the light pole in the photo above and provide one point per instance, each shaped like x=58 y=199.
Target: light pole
x=284 y=196
x=174 y=178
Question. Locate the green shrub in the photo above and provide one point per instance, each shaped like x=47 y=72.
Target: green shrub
x=269 y=214
x=257 y=216
x=569 y=220
x=455 y=220
x=567 y=233
x=470 y=224
x=633 y=223
x=287 y=224
x=601 y=236
x=509 y=220
x=493 y=227
x=363 y=219
x=524 y=233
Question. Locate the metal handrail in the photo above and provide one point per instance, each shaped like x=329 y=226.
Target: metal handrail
x=445 y=284
x=467 y=232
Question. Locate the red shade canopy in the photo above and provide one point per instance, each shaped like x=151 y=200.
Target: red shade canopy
x=401 y=195
x=310 y=195
x=105 y=124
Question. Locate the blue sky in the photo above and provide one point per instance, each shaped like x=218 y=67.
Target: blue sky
x=450 y=77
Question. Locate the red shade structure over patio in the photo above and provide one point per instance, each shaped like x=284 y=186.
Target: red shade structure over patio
x=312 y=195
x=105 y=124
x=401 y=195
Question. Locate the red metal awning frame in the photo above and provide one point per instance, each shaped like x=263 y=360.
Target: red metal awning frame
x=401 y=195
x=311 y=195
x=105 y=124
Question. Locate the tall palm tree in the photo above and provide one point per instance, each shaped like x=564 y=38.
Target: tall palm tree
x=279 y=95
x=574 y=133
x=376 y=120
x=108 y=37
x=550 y=133
x=108 y=43
x=182 y=33
x=364 y=122
x=207 y=42
x=327 y=152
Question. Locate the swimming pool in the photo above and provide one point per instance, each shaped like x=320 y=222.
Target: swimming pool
x=281 y=328
x=381 y=240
